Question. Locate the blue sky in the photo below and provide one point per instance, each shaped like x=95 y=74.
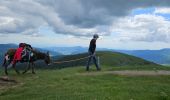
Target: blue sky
x=143 y=11
x=120 y=25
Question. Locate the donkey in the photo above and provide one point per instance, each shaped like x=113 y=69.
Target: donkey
x=9 y=55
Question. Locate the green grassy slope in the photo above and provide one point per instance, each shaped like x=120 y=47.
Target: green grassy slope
x=106 y=59
x=73 y=84
x=69 y=84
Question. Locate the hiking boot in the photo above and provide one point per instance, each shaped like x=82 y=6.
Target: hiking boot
x=99 y=69
x=87 y=69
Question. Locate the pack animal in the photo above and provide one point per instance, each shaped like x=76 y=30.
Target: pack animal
x=36 y=55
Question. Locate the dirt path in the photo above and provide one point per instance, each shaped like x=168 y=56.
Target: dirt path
x=6 y=82
x=129 y=73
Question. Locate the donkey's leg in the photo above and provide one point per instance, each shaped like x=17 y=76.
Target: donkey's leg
x=5 y=67
x=4 y=62
x=28 y=67
x=6 y=70
x=14 y=66
x=33 y=65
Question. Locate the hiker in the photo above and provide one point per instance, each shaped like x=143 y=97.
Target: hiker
x=92 y=48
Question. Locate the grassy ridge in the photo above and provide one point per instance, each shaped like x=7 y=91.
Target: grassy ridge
x=106 y=59
x=68 y=84
x=71 y=84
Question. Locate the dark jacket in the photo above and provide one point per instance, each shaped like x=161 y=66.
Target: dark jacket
x=92 y=46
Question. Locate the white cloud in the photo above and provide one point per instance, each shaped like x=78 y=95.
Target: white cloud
x=162 y=11
x=144 y=27
x=80 y=19
x=30 y=15
x=73 y=17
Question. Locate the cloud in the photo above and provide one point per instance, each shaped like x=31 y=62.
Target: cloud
x=162 y=11
x=91 y=13
x=72 y=17
x=144 y=27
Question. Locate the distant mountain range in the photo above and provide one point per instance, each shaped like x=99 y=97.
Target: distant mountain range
x=158 y=56
x=68 y=50
x=73 y=50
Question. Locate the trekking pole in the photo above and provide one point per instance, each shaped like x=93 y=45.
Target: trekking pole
x=98 y=61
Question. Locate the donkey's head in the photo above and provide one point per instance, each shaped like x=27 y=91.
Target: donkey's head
x=47 y=58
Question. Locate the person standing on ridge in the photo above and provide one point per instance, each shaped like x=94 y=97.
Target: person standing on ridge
x=92 y=48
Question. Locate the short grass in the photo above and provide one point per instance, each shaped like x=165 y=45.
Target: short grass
x=68 y=84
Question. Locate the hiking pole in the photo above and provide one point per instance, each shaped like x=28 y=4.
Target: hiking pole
x=98 y=61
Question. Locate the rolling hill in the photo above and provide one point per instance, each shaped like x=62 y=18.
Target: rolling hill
x=78 y=84
x=107 y=58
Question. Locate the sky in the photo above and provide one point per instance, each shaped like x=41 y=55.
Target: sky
x=120 y=24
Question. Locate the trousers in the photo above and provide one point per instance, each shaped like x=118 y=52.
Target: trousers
x=92 y=56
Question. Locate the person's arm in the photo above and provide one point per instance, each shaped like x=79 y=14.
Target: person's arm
x=93 y=50
x=93 y=46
